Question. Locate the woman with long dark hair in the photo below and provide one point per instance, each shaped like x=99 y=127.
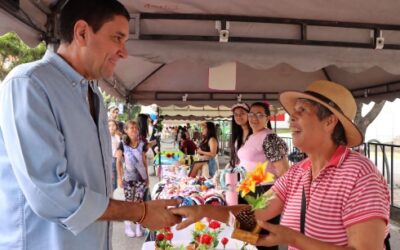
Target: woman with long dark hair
x=240 y=130
x=208 y=149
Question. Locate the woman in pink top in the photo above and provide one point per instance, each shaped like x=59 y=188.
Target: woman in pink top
x=261 y=146
x=240 y=130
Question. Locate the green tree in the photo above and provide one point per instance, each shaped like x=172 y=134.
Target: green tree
x=13 y=51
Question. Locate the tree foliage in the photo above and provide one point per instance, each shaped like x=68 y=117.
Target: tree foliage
x=13 y=51
x=364 y=121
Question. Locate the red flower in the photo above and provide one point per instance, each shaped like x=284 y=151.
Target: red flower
x=169 y=236
x=214 y=224
x=160 y=237
x=224 y=241
x=206 y=239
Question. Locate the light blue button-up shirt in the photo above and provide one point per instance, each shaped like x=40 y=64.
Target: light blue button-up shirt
x=55 y=163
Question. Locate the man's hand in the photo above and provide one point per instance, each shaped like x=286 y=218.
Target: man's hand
x=158 y=216
x=192 y=214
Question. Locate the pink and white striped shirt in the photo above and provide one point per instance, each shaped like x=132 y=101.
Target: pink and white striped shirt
x=349 y=190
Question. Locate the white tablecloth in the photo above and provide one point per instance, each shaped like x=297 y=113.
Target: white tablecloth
x=183 y=237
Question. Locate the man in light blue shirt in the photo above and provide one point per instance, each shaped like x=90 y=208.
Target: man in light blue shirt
x=55 y=151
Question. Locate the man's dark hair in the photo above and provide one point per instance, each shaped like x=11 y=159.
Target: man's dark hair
x=94 y=12
x=338 y=136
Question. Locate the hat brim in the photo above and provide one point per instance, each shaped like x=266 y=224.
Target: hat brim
x=353 y=135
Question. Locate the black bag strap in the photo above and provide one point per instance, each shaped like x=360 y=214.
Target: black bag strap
x=303 y=211
x=387 y=242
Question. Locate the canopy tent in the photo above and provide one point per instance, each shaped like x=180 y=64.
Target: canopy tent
x=194 y=111
x=275 y=45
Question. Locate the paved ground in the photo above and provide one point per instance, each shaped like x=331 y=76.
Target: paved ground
x=122 y=242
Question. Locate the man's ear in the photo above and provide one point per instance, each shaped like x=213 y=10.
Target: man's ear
x=81 y=30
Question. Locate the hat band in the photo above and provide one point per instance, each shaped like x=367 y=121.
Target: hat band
x=325 y=100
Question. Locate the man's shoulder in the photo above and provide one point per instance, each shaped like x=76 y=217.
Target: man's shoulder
x=29 y=70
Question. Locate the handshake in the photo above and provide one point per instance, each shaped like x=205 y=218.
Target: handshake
x=159 y=214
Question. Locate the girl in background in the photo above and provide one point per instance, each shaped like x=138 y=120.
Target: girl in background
x=134 y=177
x=115 y=141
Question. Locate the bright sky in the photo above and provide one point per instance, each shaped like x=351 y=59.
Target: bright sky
x=386 y=126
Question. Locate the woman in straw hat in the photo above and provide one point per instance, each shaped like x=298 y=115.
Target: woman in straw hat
x=335 y=198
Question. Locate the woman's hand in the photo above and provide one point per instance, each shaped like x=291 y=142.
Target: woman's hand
x=278 y=235
x=192 y=214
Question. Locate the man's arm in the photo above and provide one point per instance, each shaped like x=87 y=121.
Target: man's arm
x=152 y=214
x=36 y=151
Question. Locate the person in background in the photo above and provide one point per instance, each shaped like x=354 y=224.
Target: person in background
x=207 y=149
x=133 y=178
x=263 y=145
x=334 y=199
x=241 y=131
x=55 y=148
x=187 y=145
x=113 y=115
x=189 y=131
x=115 y=141
x=143 y=121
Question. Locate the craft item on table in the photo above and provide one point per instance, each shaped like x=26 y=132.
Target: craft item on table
x=206 y=237
x=197 y=199
x=245 y=224
x=163 y=239
x=214 y=199
x=239 y=170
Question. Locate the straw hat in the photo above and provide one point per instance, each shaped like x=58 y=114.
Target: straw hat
x=333 y=96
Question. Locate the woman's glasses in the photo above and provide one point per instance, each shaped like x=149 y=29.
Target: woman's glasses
x=256 y=115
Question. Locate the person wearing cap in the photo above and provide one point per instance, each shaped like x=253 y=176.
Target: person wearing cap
x=334 y=199
x=240 y=130
x=113 y=111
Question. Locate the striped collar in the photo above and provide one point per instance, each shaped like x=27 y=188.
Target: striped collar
x=335 y=161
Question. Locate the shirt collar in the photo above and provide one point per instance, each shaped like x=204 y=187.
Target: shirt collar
x=64 y=67
x=335 y=161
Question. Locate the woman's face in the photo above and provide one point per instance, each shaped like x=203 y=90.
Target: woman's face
x=204 y=130
x=257 y=118
x=112 y=127
x=307 y=129
x=240 y=116
x=132 y=131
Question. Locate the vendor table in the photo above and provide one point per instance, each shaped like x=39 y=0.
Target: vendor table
x=183 y=237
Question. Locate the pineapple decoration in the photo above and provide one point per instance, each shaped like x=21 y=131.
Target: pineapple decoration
x=246 y=228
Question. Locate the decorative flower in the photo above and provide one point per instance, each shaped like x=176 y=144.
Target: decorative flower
x=214 y=224
x=224 y=241
x=258 y=176
x=199 y=226
x=163 y=239
x=206 y=237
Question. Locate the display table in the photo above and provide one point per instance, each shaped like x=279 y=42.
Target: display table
x=183 y=238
